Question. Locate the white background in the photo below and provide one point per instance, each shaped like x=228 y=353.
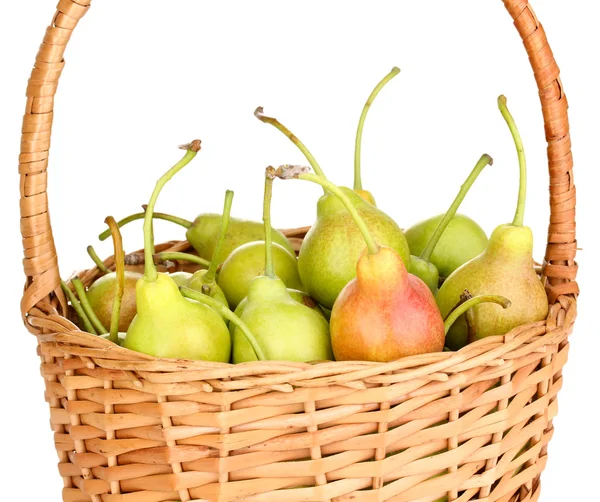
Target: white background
x=145 y=76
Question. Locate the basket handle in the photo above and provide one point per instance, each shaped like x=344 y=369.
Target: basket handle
x=40 y=260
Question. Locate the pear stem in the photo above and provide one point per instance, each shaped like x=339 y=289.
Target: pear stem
x=87 y=306
x=520 y=212
x=259 y=114
x=227 y=314
x=120 y=286
x=269 y=176
x=150 y=273
x=484 y=161
x=96 y=259
x=464 y=307
x=300 y=172
x=140 y=216
x=211 y=273
x=182 y=257
x=85 y=320
x=361 y=124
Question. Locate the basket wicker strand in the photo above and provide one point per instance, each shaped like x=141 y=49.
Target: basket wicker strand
x=464 y=426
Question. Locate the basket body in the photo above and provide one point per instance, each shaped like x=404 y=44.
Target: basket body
x=465 y=426
x=472 y=425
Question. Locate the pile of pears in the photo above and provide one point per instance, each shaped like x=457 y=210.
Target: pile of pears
x=359 y=289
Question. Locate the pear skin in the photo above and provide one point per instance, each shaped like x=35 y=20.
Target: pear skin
x=366 y=195
x=299 y=296
x=181 y=278
x=285 y=329
x=504 y=268
x=204 y=232
x=385 y=313
x=330 y=250
x=101 y=296
x=248 y=262
x=195 y=330
x=462 y=241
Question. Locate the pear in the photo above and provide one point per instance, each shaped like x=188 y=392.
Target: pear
x=505 y=267
x=181 y=278
x=462 y=240
x=385 y=313
x=203 y=232
x=203 y=235
x=422 y=266
x=358 y=188
x=101 y=295
x=248 y=262
x=330 y=250
x=298 y=296
x=167 y=324
x=284 y=328
x=205 y=281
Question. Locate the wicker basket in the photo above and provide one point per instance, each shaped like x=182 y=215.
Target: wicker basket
x=471 y=425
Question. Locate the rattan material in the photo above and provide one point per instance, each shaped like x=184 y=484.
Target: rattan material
x=471 y=425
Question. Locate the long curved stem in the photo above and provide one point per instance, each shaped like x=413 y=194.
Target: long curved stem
x=269 y=269
x=461 y=309
x=227 y=314
x=96 y=259
x=361 y=124
x=259 y=114
x=150 y=273
x=120 y=285
x=301 y=172
x=85 y=320
x=140 y=216
x=192 y=258
x=87 y=306
x=484 y=161
x=216 y=258
x=520 y=212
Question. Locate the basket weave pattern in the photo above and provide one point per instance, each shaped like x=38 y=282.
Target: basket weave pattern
x=470 y=425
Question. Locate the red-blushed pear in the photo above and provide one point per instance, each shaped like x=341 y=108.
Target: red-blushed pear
x=385 y=313
x=505 y=267
x=358 y=188
x=167 y=324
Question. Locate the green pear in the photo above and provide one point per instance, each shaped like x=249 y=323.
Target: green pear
x=101 y=295
x=330 y=250
x=422 y=265
x=248 y=262
x=181 y=278
x=332 y=247
x=298 y=296
x=462 y=240
x=284 y=328
x=505 y=267
x=203 y=235
x=167 y=324
x=203 y=232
